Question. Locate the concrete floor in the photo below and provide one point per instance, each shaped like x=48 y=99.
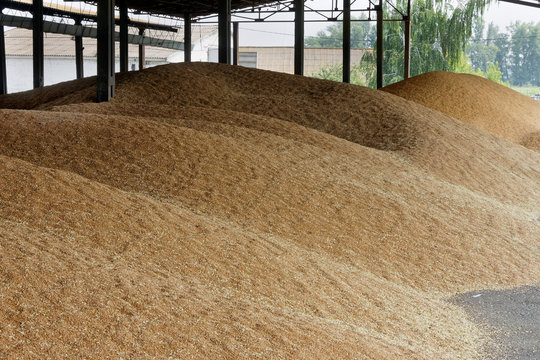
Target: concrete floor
x=513 y=317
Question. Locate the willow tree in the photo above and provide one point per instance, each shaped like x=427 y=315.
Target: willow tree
x=439 y=34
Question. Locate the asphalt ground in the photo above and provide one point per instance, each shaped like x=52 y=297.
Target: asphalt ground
x=511 y=316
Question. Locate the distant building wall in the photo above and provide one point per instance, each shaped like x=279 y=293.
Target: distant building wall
x=59 y=60
x=57 y=69
x=281 y=59
x=199 y=52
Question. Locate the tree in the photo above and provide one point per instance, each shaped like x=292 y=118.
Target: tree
x=439 y=37
x=335 y=73
x=525 y=54
x=494 y=73
x=480 y=51
x=515 y=55
x=500 y=40
x=440 y=33
x=464 y=66
x=363 y=36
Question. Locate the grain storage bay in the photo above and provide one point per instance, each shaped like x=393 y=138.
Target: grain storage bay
x=212 y=211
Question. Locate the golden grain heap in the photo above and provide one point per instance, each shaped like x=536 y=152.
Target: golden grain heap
x=476 y=101
x=212 y=211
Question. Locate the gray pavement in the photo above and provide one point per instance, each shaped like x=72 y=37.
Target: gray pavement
x=513 y=318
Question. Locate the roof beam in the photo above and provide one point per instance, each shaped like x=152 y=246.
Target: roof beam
x=196 y=8
x=50 y=11
x=85 y=31
x=526 y=3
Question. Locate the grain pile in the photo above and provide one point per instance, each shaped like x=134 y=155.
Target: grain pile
x=477 y=101
x=211 y=211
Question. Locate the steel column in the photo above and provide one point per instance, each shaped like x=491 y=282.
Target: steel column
x=407 y=45
x=299 y=37
x=142 y=52
x=235 y=43
x=37 y=41
x=124 y=50
x=3 y=68
x=187 y=37
x=346 y=41
x=105 y=56
x=380 y=44
x=224 y=31
x=79 y=59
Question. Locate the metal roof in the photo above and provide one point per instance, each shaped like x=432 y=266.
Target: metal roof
x=533 y=3
x=205 y=7
x=193 y=7
x=52 y=8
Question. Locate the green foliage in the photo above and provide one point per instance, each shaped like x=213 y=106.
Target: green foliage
x=363 y=36
x=330 y=72
x=480 y=51
x=464 y=66
x=494 y=73
x=335 y=73
x=517 y=54
x=500 y=40
x=445 y=35
x=527 y=90
x=439 y=35
x=525 y=54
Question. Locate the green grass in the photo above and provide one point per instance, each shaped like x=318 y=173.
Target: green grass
x=527 y=90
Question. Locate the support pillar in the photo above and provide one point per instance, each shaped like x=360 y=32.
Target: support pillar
x=235 y=43
x=142 y=52
x=407 y=45
x=224 y=31
x=105 y=56
x=380 y=44
x=37 y=43
x=187 y=37
x=124 y=20
x=346 y=41
x=299 y=37
x=3 y=68
x=79 y=59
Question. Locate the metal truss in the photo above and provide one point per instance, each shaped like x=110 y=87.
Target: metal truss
x=533 y=3
x=80 y=16
x=270 y=13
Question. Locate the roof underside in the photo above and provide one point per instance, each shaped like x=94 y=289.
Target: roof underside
x=533 y=3
x=193 y=7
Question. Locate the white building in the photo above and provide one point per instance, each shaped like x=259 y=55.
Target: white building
x=59 y=61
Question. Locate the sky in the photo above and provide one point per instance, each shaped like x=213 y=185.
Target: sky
x=281 y=34
x=503 y=13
